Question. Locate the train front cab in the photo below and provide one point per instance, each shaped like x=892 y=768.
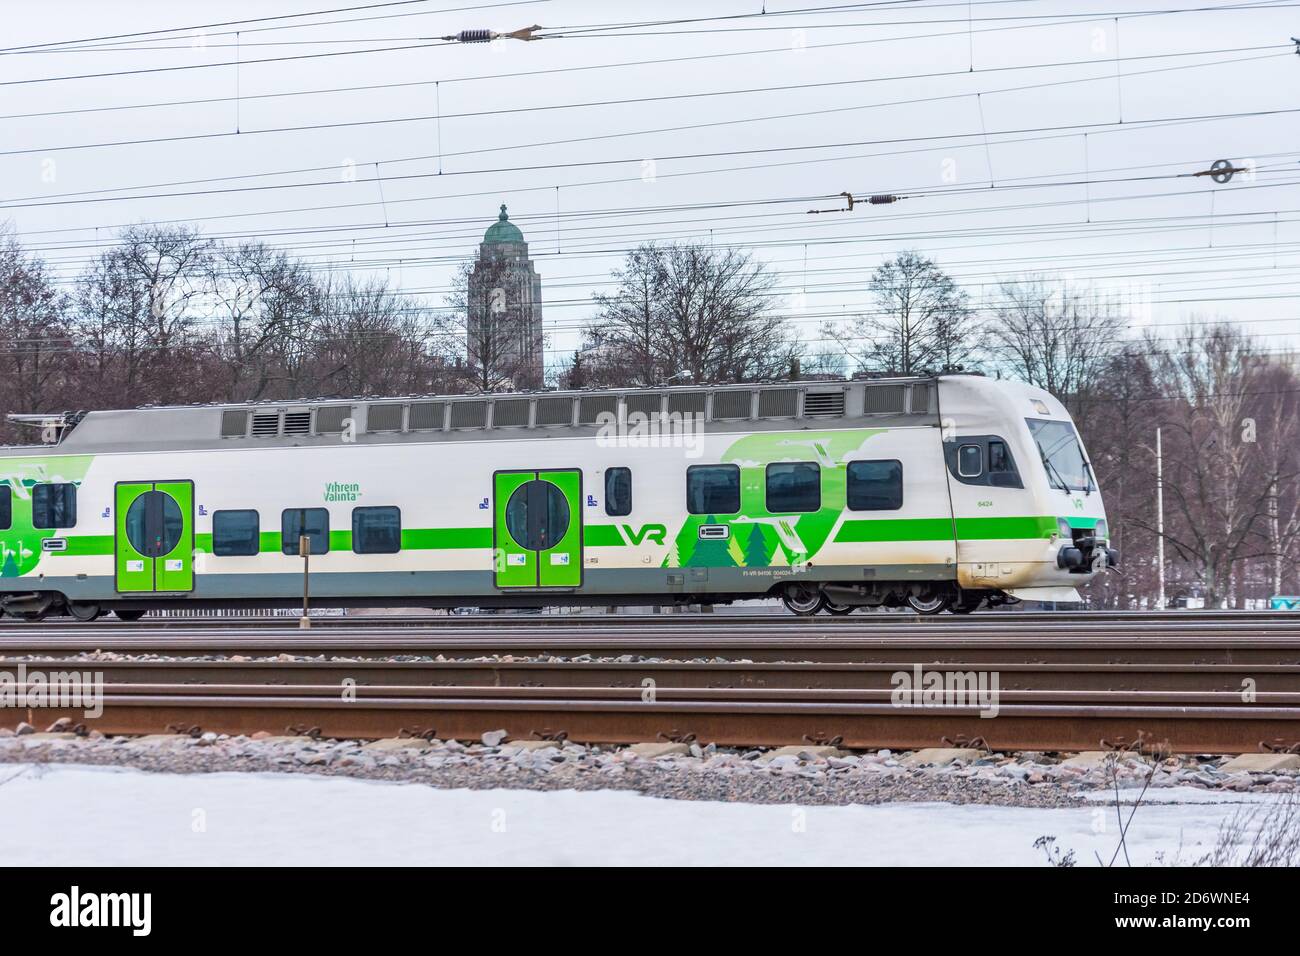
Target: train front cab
x=1028 y=513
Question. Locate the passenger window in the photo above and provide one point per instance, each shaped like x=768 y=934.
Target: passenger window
x=713 y=489
x=376 y=530
x=970 y=461
x=236 y=533
x=54 y=506
x=793 y=486
x=313 y=522
x=875 y=485
x=6 y=507
x=618 y=491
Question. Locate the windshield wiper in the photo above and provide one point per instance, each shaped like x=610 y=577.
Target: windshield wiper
x=1090 y=478
x=1052 y=469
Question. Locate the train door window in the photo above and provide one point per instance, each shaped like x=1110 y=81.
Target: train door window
x=313 y=522
x=999 y=457
x=537 y=515
x=618 y=491
x=793 y=487
x=6 y=507
x=54 y=506
x=236 y=533
x=875 y=485
x=970 y=461
x=377 y=530
x=1002 y=467
x=713 y=489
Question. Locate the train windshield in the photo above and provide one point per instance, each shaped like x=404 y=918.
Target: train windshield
x=1062 y=455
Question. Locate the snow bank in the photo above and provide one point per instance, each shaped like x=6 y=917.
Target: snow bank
x=93 y=816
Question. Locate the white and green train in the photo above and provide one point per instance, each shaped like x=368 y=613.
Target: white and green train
x=943 y=492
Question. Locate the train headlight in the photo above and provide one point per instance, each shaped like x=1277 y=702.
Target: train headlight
x=1063 y=527
x=1102 y=531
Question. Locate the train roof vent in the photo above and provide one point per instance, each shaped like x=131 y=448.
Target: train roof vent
x=555 y=411
x=330 y=419
x=733 y=404
x=644 y=403
x=297 y=423
x=921 y=398
x=878 y=399
x=424 y=416
x=384 y=418
x=590 y=408
x=265 y=425
x=469 y=414
x=778 y=403
x=510 y=411
x=823 y=404
x=686 y=403
x=234 y=423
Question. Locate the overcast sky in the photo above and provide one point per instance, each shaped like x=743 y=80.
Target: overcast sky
x=999 y=194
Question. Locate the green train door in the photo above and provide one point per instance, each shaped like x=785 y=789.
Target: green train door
x=537 y=528
x=154 y=540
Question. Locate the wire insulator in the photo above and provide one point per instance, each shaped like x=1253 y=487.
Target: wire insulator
x=474 y=36
x=882 y=200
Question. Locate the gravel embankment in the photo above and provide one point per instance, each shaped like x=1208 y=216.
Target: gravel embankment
x=707 y=773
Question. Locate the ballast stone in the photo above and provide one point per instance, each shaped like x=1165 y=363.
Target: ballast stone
x=1261 y=763
x=797 y=750
x=659 y=749
x=398 y=743
x=941 y=756
x=1087 y=760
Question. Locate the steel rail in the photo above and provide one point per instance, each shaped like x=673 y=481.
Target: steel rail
x=1183 y=727
x=1012 y=675
x=1152 y=647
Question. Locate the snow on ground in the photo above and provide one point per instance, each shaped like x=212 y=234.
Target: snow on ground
x=94 y=816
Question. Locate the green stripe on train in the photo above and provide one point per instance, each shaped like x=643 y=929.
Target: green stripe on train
x=853 y=531
x=413 y=539
x=860 y=530
x=602 y=536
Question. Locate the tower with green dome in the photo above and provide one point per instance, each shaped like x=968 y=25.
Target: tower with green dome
x=504 y=298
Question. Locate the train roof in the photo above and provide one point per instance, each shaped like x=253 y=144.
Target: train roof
x=433 y=418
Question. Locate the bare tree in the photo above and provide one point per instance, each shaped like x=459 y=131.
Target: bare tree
x=1223 y=485
x=267 y=302
x=35 y=340
x=1055 y=336
x=922 y=322
x=370 y=341
x=687 y=311
x=1277 y=407
x=1119 y=436
x=138 y=316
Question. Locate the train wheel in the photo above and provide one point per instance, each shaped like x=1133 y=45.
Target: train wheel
x=803 y=600
x=84 y=612
x=134 y=614
x=932 y=603
x=839 y=610
x=32 y=616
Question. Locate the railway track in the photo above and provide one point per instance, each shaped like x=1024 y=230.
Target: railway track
x=1180 y=683
x=1188 y=723
x=1256 y=643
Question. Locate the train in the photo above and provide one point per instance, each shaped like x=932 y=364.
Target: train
x=945 y=492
